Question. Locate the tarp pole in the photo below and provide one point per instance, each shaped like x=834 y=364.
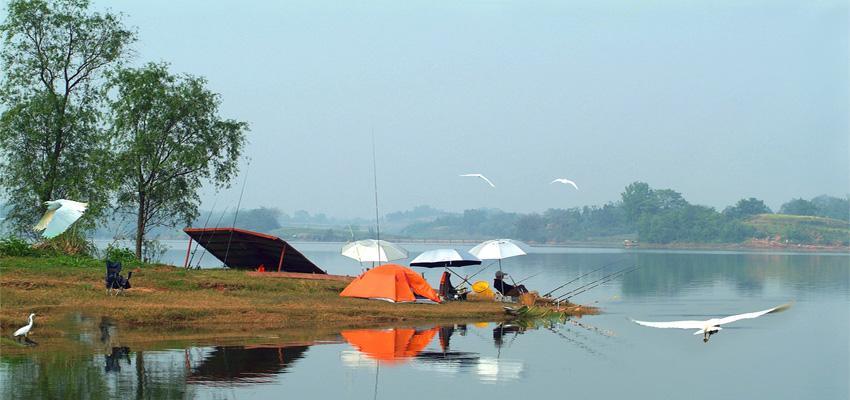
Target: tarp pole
x=280 y=262
x=186 y=262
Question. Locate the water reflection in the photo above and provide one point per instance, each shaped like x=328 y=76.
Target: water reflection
x=417 y=348
x=95 y=360
x=242 y=364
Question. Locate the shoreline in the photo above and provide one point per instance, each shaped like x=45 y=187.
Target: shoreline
x=210 y=303
x=754 y=245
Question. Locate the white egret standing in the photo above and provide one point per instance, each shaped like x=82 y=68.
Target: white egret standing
x=711 y=326
x=59 y=216
x=565 y=181
x=480 y=176
x=25 y=331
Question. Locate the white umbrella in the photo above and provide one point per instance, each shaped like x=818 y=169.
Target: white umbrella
x=370 y=250
x=444 y=258
x=498 y=249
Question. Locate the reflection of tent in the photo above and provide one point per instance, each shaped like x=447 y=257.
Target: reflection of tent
x=245 y=365
x=390 y=282
x=240 y=248
x=389 y=345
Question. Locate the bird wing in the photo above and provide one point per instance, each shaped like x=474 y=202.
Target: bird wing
x=751 y=315
x=487 y=180
x=45 y=219
x=673 y=324
x=66 y=215
x=566 y=182
x=482 y=177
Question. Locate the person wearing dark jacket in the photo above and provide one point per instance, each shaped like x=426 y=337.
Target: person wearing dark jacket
x=505 y=288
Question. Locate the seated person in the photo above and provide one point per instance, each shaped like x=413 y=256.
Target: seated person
x=506 y=289
x=448 y=291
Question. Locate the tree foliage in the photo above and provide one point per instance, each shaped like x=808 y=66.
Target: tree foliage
x=799 y=207
x=169 y=140
x=51 y=138
x=746 y=208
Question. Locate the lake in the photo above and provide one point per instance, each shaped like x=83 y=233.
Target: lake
x=803 y=352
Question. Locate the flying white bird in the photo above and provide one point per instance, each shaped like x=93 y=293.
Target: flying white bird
x=482 y=177
x=25 y=331
x=59 y=216
x=565 y=181
x=709 y=327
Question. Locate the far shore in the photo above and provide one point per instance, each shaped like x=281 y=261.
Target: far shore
x=755 y=245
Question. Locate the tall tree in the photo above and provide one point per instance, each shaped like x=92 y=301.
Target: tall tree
x=170 y=139
x=638 y=199
x=746 y=208
x=799 y=207
x=51 y=138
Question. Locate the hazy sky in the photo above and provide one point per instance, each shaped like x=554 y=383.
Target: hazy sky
x=718 y=101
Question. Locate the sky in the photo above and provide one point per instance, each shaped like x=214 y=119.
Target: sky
x=716 y=100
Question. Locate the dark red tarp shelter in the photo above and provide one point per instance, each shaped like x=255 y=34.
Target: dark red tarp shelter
x=250 y=250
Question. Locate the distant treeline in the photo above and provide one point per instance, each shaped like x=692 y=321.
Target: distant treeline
x=650 y=215
x=643 y=213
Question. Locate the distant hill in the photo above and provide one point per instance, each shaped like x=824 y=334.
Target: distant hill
x=801 y=229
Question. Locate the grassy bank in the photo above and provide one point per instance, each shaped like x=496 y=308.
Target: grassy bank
x=217 y=302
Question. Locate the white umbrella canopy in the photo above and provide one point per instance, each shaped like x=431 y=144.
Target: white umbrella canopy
x=444 y=258
x=371 y=250
x=498 y=249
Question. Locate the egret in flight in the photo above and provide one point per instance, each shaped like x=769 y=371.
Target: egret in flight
x=565 y=181
x=59 y=216
x=25 y=331
x=482 y=177
x=709 y=327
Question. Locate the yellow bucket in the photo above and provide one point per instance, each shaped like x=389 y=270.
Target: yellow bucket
x=480 y=286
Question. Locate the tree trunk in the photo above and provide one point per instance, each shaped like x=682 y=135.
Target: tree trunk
x=140 y=226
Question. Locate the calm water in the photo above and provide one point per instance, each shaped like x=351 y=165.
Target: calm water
x=801 y=353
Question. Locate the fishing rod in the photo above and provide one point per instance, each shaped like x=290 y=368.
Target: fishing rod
x=217 y=224
x=604 y=279
x=608 y=276
x=593 y=284
x=375 y=182
x=198 y=244
x=601 y=283
x=481 y=270
x=236 y=215
x=549 y=293
x=526 y=278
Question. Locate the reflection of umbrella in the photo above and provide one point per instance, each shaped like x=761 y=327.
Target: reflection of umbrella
x=444 y=258
x=496 y=370
x=389 y=345
x=370 y=250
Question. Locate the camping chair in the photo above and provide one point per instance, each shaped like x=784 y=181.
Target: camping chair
x=448 y=291
x=114 y=280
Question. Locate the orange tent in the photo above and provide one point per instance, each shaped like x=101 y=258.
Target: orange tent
x=390 y=282
x=389 y=345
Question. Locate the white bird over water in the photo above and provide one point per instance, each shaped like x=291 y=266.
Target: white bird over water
x=565 y=181
x=59 y=216
x=482 y=177
x=711 y=326
x=25 y=331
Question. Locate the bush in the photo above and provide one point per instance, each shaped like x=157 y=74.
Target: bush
x=16 y=247
x=70 y=243
x=119 y=254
